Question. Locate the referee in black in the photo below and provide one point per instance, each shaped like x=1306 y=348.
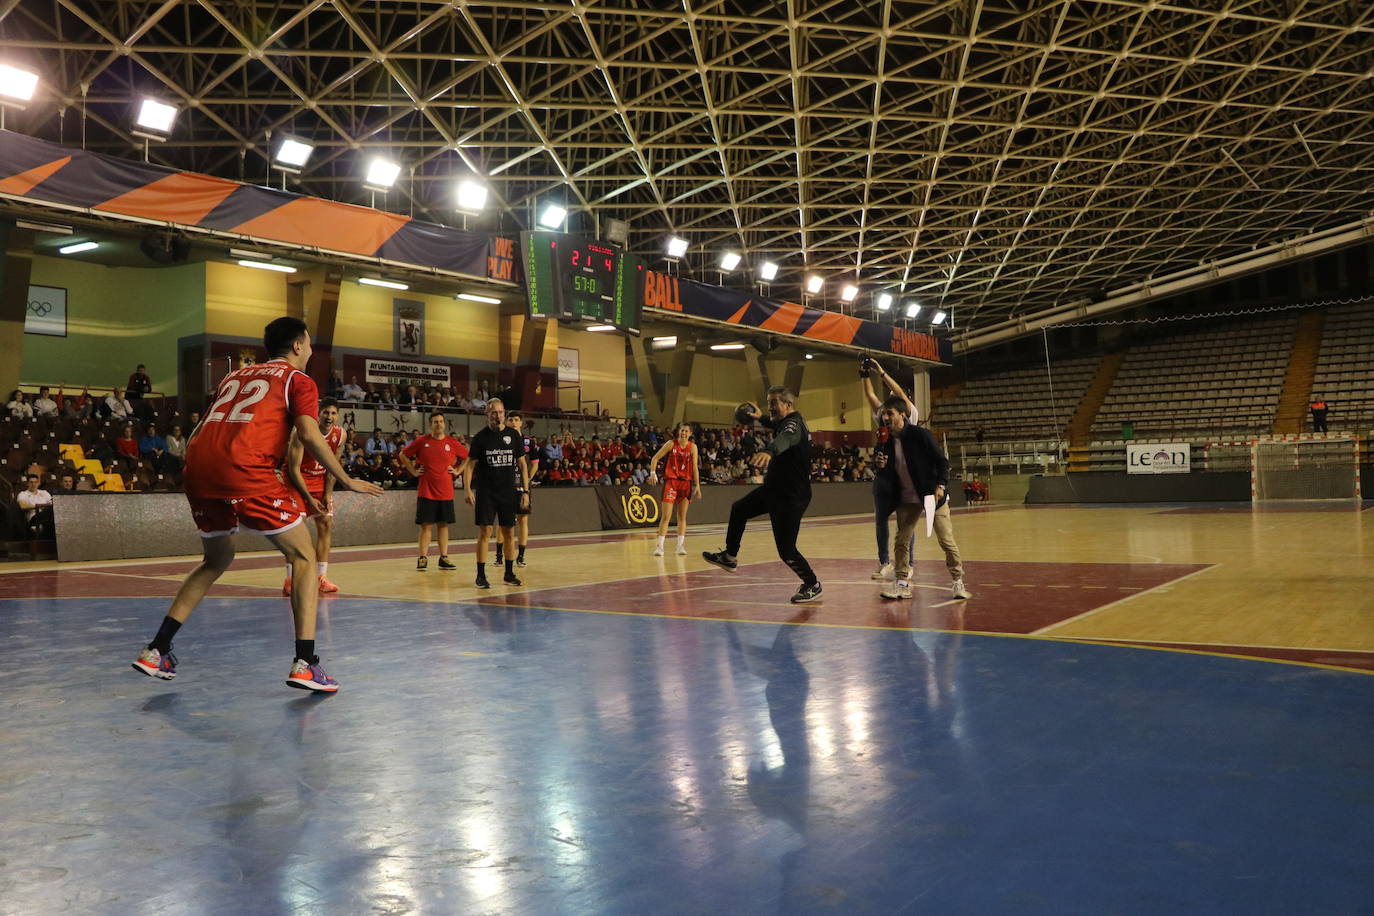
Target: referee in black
x=496 y=480
x=784 y=496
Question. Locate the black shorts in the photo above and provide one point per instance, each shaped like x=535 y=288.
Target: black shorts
x=433 y=511
x=525 y=509
x=496 y=508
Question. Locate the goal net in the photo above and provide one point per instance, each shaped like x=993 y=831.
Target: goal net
x=1297 y=469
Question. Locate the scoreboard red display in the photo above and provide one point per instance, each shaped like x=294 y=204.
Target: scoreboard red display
x=580 y=279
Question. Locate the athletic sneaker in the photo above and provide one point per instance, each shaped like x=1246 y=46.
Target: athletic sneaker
x=327 y=587
x=421 y=564
x=511 y=578
x=807 y=592
x=721 y=559
x=310 y=677
x=520 y=561
x=446 y=563
x=959 y=591
x=286 y=588
x=154 y=664
x=658 y=551
x=482 y=581
x=682 y=550
x=897 y=590
x=884 y=571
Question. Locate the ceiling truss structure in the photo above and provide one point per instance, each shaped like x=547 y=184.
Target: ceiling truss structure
x=992 y=158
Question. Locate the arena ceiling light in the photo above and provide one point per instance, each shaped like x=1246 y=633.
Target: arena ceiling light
x=677 y=247
x=768 y=270
x=473 y=297
x=730 y=260
x=912 y=309
x=78 y=247
x=938 y=319
x=849 y=293
x=810 y=356
x=16 y=86
x=553 y=216
x=381 y=175
x=263 y=265
x=730 y=346
x=884 y=302
x=601 y=327
x=154 y=120
x=472 y=196
x=388 y=284
x=814 y=284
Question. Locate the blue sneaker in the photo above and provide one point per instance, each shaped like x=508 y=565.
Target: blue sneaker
x=310 y=677
x=154 y=664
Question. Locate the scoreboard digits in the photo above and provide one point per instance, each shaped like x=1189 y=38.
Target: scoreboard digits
x=578 y=279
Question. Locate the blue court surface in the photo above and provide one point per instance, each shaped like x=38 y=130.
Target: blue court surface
x=488 y=760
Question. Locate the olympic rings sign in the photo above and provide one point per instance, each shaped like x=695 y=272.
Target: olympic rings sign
x=46 y=313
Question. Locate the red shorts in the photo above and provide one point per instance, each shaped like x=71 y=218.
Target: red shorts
x=315 y=486
x=675 y=489
x=271 y=513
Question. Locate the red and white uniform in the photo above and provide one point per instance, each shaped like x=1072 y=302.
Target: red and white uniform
x=434 y=457
x=314 y=473
x=677 y=474
x=233 y=456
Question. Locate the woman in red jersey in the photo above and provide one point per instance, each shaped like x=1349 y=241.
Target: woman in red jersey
x=681 y=484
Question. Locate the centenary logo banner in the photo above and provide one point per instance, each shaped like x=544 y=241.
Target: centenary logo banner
x=626 y=507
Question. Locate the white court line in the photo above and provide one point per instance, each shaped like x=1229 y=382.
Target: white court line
x=1111 y=604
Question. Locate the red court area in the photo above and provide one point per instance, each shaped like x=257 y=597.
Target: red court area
x=1007 y=597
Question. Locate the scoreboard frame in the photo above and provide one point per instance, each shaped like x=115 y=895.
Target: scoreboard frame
x=572 y=278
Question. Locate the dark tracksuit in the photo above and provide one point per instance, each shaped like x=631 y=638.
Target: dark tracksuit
x=784 y=495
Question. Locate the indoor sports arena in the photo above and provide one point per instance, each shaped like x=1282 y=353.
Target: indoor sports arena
x=698 y=457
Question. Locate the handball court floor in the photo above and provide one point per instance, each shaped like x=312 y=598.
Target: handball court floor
x=1140 y=710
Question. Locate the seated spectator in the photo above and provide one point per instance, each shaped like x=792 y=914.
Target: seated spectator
x=37 y=506
x=336 y=384
x=153 y=448
x=353 y=391
x=176 y=443
x=44 y=405
x=75 y=406
x=68 y=484
x=116 y=407
x=19 y=406
x=378 y=444
x=126 y=444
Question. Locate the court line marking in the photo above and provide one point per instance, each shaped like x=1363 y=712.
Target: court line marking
x=1111 y=604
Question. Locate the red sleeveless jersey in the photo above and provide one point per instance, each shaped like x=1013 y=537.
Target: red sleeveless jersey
x=310 y=465
x=679 y=463
x=239 y=445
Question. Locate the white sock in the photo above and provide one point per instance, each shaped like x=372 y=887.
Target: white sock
x=660 y=542
x=681 y=539
x=322 y=567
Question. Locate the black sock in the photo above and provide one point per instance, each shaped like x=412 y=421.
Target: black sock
x=162 y=642
x=510 y=567
x=305 y=650
x=481 y=568
x=522 y=551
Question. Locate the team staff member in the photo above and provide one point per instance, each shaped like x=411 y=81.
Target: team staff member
x=681 y=483
x=784 y=495
x=496 y=480
x=316 y=487
x=434 y=459
x=922 y=470
x=885 y=479
x=522 y=513
x=231 y=480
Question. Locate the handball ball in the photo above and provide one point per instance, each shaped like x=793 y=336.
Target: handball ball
x=744 y=414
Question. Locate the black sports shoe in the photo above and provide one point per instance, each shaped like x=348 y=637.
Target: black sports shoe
x=500 y=555
x=721 y=559
x=807 y=592
x=482 y=581
x=422 y=564
x=511 y=578
x=445 y=563
x=520 y=561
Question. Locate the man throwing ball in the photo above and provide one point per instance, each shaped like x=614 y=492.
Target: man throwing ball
x=496 y=481
x=784 y=495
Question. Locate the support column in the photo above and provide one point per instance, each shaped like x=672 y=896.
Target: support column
x=757 y=366
x=920 y=392
x=648 y=381
x=522 y=344
x=792 y=378
x=680 y=382
x=15 y=271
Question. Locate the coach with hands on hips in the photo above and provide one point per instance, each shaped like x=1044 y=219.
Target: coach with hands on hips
x=496 y=481
x=785 y=493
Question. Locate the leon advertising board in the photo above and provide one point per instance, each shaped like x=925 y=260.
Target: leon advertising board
x=1157 y=457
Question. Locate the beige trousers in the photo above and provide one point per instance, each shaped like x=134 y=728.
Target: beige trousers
x=907 y=517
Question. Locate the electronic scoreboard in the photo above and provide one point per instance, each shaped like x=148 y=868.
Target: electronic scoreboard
x=577 y=279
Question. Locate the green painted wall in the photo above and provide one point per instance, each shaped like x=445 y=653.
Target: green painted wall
x=117 y=317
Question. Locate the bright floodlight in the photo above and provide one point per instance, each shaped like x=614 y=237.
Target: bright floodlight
x=17 y=84
x=729 y=260
x=912 y=309
x=382 y=174
x=156 y=117
x=849 y=292
x=553 y=216
x=884 y=302
x=814 y=284
x=78 y=248
x=292 y=155
x=263 y=265
x=388 y=284
x=729 y=346
x=938 y=319
x=768 y=270
x=677 y=247
x=472 y=195
x=601 y=327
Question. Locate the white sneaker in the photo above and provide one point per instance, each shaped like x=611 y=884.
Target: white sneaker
x=682 y=550
x=882 y=572
x=658 y=551
x=959 y=591
x=898 y=590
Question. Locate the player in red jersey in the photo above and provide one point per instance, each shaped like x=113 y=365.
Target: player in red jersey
x=682 y=483
x=231 y=479
x=316 y=487
x=434 y=459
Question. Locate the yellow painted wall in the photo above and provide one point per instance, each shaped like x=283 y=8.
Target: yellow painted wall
x=454 y=329
x=117 y=317
x=239 y=301
x=602 y=359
